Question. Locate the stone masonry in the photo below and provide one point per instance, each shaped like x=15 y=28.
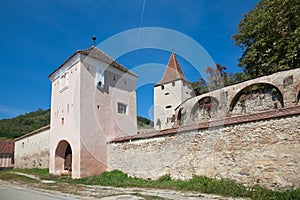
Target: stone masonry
x=261 y=149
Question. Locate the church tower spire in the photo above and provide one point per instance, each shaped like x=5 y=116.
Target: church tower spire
x=173 y=71
x=170 y=92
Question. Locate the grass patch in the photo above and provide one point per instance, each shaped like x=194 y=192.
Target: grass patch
x=7 y=175
x=201 y=184
x=42 y=173
x=34 y=171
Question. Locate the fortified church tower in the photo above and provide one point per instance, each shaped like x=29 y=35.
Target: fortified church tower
x=170 y=92
x=93 y=101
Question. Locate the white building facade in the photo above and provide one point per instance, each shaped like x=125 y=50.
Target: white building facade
x=170 y=92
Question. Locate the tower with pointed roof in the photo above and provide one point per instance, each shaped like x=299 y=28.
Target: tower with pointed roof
x=170 y=92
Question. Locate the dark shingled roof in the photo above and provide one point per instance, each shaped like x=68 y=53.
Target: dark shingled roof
x=173 y=71
x=96 y=53
x=7 y=147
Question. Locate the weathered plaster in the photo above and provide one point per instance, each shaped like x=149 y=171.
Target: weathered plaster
x=32 y=151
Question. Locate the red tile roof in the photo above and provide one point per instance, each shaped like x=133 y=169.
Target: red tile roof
x=173 y=71
x=99 y=55
x=7 y=146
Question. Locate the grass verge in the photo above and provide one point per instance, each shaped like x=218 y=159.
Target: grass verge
x=201 y=184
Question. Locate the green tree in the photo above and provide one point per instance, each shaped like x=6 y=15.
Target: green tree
x=199 y=87
x=270 y=37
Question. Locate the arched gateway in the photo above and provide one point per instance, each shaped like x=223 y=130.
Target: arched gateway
x=63 y=156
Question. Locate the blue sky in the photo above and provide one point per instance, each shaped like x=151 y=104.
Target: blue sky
x=38 y=36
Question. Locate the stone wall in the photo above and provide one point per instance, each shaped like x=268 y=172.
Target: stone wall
x=32 y=149
x=255 y=102
x=251 y=149
x=270 y=92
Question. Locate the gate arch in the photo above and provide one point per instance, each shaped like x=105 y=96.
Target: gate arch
x=63 y=157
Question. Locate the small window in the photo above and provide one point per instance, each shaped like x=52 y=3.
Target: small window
x=169 y=106
x=162 y=87
x=122 y=108
x=100 y=84
x=173 y=118
x=99 y=80
x=167 y=93
x=63 y=82
x=62 y=121
x=173 y=83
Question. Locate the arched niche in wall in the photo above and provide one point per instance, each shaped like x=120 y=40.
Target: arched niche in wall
x=256 y=98
x=204 y=109
x=181 y=116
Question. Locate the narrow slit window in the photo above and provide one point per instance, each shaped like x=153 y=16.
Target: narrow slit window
x=99 y=78
x=169 y=106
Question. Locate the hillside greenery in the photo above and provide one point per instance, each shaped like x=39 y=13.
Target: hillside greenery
x=143 y=122
x=23 y=124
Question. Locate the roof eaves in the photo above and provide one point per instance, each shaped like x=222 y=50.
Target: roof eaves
x=108 y=60
x=33 y=133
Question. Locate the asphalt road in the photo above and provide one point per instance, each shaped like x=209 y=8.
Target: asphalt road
x=13 y=192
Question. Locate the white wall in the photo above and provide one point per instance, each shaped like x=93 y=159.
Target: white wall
x=33 y=151
x=166 y=100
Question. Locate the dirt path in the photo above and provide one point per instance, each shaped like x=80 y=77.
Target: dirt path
x=109 y=193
